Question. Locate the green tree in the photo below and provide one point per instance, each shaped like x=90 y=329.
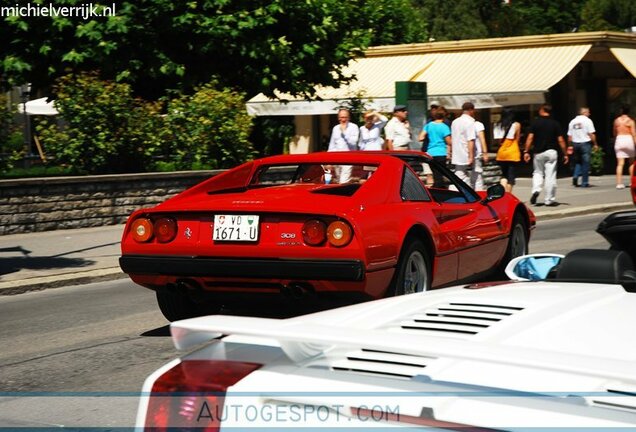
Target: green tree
x=547 y=16
x=155 y=45
x=452 y=20
x=599 y=15
x=209 y=129
x=11 y=138
x=105 y=129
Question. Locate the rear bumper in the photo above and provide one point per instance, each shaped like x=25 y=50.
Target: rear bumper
x=332 y=270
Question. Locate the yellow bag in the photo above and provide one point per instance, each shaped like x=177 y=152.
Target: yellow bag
x=509 y=151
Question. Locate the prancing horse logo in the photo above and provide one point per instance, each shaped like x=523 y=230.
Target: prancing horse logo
x=187 y=233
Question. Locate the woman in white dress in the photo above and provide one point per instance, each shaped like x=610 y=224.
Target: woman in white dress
x=625 y=133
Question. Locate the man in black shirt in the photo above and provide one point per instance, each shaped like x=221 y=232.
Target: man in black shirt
x=547 y=137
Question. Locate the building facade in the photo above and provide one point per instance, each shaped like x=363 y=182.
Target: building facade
x=596 y=69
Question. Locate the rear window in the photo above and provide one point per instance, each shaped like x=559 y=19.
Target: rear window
x=313 y=173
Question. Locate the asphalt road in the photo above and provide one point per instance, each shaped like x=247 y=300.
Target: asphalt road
x=564 y=235
x=90 y=347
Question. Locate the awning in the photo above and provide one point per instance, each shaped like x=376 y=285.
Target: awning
x=489 y=78
x=372 y=85
x=38 y=107
x=503 y=71
x=627 y=57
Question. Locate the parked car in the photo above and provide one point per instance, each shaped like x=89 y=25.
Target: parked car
x=286 y=225
x=552 y=353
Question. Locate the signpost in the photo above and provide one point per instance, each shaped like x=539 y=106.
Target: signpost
x=414 y=96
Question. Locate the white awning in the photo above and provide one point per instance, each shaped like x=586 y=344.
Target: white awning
x=489 y=78
x=627 y=57
x=503 y=71
x=38 y=107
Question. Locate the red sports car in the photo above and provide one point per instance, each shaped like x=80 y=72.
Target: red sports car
x=340 y=227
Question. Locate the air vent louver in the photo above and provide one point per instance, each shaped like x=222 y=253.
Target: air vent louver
x=456 y=319
x=617 y=399
x=382 y=363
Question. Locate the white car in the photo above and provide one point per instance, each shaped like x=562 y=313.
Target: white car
x=553 y=353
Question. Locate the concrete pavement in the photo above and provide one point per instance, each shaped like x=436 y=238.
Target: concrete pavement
x=50 y=259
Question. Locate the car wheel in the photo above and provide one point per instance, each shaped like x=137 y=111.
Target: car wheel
x=177 y=305
x=413 y=270
x=517 y=244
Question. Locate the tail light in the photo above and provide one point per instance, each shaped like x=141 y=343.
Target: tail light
x=142 y=230
x=314 y=232
x=339 y=233
x=165 y=229
x=191 y=394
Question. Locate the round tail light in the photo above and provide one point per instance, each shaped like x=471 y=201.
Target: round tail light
x=142 y=230
x=314 y=232
x=165 y=229
x=339 y=233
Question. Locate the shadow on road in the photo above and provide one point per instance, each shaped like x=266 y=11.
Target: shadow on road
x=158 y=332
x=14 y=264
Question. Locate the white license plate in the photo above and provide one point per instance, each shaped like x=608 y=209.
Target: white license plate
x=235 y=228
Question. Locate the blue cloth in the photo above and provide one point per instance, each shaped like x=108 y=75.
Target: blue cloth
x=436 y=132
x=582 y=152
x=535 y=269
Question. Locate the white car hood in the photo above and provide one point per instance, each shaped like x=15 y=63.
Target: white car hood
x=564 y=328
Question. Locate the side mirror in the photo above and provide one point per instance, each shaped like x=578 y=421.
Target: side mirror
x=493 y=192
x=533 y=267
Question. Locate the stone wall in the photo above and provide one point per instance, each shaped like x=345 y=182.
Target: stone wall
x=44 y=204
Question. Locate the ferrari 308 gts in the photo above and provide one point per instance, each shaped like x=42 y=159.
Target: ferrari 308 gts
x=330 y=228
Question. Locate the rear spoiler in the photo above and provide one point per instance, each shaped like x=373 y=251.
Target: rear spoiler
x=301 y=341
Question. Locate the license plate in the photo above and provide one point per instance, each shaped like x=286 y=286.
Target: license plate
x=235 y=228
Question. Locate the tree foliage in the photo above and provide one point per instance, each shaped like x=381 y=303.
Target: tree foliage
x=455 y=20
x=252 y=45
x=608 y=15
x=105 y=129
x=11 y=138
x=548 y=16
x=209 y=129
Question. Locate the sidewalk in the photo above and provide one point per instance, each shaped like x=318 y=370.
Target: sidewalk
x=50 y=259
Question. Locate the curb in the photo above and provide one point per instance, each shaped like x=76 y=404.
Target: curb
x=61 y=280
x=579 y=211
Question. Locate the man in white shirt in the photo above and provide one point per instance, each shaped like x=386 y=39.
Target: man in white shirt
x=481 y=157
x=463 y=141
x=344 y=137
x=398 y=129
x=582 y=136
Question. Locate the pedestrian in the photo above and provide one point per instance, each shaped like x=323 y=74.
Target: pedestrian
x=463 y=141
x=509 y=153
x=344 y=137
x=431 y=117
x=545 y=138
x=582 y=138
x=371 y=131
x=625 y=133
x=481 y=157
x=398 y=129
x=439 y=143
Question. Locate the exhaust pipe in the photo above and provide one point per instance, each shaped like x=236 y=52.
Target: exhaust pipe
x=193 y=290
x=300 y=290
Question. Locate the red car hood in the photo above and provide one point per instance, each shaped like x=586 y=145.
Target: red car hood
x=298 y=198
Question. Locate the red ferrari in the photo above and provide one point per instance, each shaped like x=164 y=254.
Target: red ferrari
x=337 y=227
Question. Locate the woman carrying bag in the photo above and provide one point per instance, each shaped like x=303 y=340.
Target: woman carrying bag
x=509 y=154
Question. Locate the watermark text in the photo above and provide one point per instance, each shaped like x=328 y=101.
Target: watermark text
x=83 y=11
